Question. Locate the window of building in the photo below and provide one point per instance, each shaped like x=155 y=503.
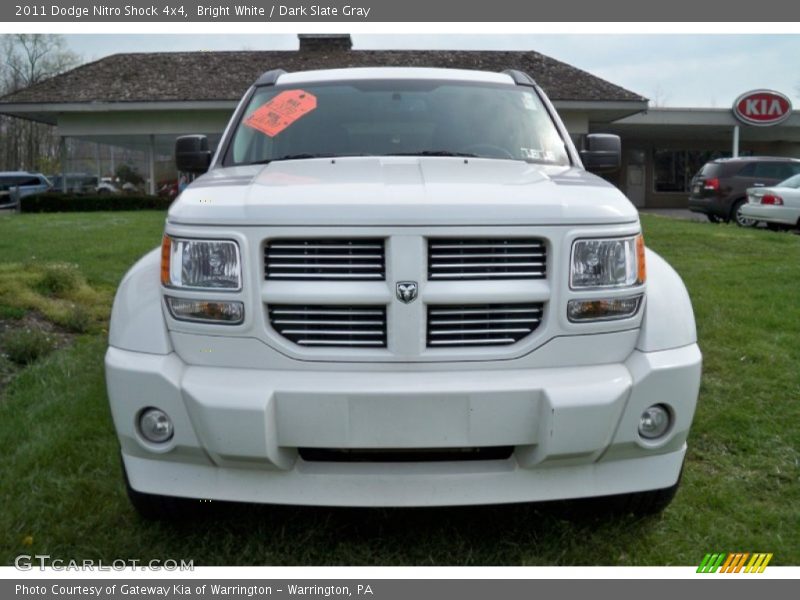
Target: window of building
x=673 y=169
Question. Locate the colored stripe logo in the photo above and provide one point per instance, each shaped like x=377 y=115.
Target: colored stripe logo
x=734 y=562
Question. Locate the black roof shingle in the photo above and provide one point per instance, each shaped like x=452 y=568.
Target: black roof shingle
x=206 y=76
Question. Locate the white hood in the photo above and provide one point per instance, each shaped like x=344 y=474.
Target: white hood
x=400 y=191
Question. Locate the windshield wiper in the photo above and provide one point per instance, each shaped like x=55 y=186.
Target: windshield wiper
x=434 y=153
x=308 y=155
x=303 y=156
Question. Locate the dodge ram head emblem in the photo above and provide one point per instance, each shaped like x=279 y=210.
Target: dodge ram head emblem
x=407 y=291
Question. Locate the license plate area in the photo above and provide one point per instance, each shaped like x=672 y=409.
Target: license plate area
x=405 y=421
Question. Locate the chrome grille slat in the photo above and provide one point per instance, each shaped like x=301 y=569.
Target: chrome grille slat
x=484 y=275
x=482 y=325
x=354 y=311
x=315 y=322
x=325 y=259
x=441 y=245
x=477 y=311
x=483 y=342
x=317 y=265
x=319 y=246
x=472 y=331
x=478 y=321
x=331 y=326
x=490 y=255
x=477 y=259
x=329 y=276
x=472 y=265
x=341 y=343
x=330 y=332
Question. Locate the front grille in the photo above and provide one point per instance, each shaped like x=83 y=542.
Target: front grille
x=486 y=258
x=345 y=326
x=405 y=455
x=329 y=259
x=481 y=325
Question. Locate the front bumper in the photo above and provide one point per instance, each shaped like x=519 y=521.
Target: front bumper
x=238 y=431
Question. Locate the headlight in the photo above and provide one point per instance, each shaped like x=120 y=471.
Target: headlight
x=200 y=264
x=607 y=263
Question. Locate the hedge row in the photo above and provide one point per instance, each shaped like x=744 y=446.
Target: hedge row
x=45 y=203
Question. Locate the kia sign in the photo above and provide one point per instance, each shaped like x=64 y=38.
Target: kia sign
x=762 y=108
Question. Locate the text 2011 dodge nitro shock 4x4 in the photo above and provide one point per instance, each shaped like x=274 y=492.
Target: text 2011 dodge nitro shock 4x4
x=400 y=287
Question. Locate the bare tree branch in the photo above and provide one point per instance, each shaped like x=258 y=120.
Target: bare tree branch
x=25 y=60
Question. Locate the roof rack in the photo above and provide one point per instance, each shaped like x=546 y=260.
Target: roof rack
x=520 y=77
x=270 y=77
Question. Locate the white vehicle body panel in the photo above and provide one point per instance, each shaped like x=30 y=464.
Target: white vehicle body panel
x=400 y=191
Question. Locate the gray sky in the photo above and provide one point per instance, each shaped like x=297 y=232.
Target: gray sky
x=670 y=69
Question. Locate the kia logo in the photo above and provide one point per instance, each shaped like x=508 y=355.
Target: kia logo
x=762 y=107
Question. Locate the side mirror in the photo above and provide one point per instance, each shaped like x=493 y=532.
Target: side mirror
x=192 y=154
x=602 y=152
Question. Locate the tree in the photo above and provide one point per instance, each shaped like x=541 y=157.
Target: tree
x=127 y=174
x=660 y=97
x=25 y=60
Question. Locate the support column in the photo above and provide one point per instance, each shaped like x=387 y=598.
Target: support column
x=97 y=162
x=62 y=147
x=151 y=187
x=735 y=151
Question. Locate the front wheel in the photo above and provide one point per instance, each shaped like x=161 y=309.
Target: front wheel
x=644 y=503
x=639 y=504
x=739 y=218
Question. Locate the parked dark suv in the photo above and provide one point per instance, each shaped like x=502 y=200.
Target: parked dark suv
x=719 y=189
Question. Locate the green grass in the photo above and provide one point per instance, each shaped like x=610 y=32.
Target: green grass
x=60 y=481
x=104 y=245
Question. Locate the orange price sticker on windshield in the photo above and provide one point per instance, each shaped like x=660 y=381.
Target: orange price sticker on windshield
x=280 y=112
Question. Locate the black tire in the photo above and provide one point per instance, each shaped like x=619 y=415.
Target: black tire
x=640 y=504
x=643 y=503
x=152 y=507
x=713 y=218
x=738 y=218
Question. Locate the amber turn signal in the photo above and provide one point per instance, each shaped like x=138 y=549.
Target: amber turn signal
x=641 y=267
x=166 y=248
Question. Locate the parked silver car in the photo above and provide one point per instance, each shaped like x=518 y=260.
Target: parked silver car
x=778 y=206
x=18 y=184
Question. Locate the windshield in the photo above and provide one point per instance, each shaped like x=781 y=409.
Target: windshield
x=792 y=182
x=396 y=118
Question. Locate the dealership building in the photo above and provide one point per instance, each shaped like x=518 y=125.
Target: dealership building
x=139 y=103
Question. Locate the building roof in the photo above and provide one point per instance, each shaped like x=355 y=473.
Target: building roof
x=224 y=76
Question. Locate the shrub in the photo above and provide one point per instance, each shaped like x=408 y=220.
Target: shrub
x=59 y=279
x=23 y=346
x=12 y=312
x=53 y=202
x=77 y=320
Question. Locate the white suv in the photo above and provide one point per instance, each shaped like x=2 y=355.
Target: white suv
x=400 y=287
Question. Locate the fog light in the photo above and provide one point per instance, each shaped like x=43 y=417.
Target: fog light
x=202 y=311
x=603 y=309
x=155 y=426
x=654 y=422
